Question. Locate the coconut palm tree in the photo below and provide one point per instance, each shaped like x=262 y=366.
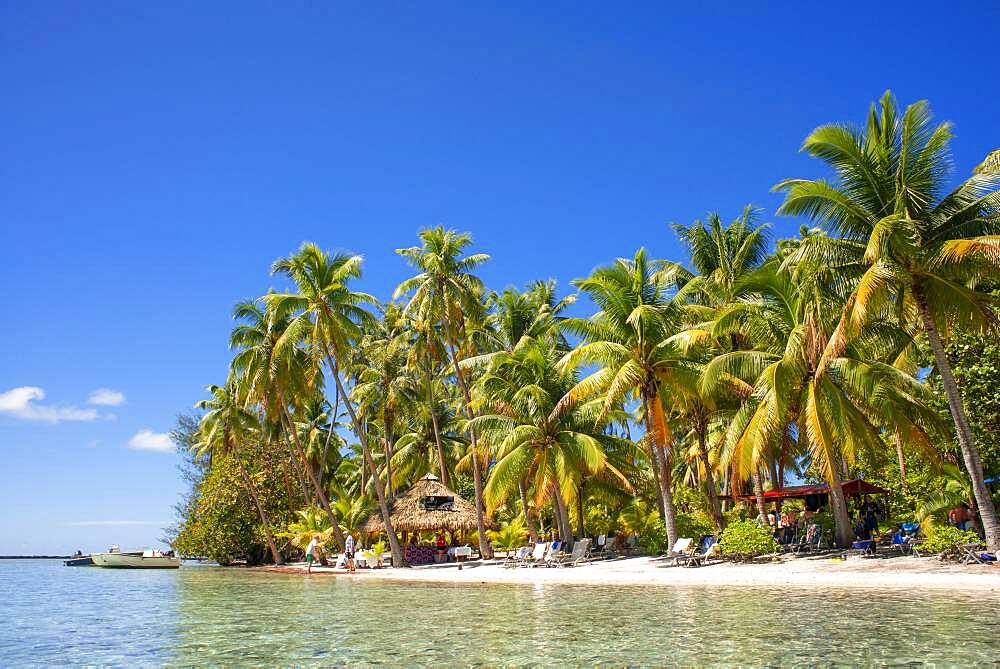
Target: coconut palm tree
x=627 y=340
x=224 y=427
x=925 y=248
x=446 y=291
x=329 y=316
x=537 y=438
x=272 y=374
x=787 y=321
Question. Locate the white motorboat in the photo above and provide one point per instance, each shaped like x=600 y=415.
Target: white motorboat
x=148 y=559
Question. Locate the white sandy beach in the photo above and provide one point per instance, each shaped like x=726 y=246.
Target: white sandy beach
x=808 y=571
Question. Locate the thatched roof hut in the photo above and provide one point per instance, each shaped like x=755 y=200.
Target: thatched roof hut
x=426 y=507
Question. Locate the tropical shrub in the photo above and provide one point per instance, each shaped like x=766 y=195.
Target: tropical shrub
x=745 y=539
x=694 y=525
x=510 y=535
x=945 y=539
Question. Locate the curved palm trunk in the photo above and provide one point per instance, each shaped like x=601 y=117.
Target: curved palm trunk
x=383 y=505
x=329 y=435
x=526 y=510
x=758 y=493
x=442 y=465
x=387 y=446
x=901 y=458
x=715 y=507
x=264 y=520
x=485 y=549
x=970 y=454
x=323 y=501
x=656 y=425
x=843 y=533
x=562 y=515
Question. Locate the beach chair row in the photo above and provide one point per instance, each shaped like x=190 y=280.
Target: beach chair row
x=549 y=554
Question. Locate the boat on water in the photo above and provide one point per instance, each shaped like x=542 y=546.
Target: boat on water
x=147 y=559
x=79 y=560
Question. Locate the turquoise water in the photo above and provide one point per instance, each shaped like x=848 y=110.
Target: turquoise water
x=56 y=615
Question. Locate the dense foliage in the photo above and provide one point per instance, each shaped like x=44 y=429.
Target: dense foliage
x=745 y=539
x=673 y=392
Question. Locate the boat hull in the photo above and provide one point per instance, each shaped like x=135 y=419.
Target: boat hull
x=81 y=561
x=123 y=561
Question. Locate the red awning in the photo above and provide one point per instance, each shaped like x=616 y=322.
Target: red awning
x=851 y=489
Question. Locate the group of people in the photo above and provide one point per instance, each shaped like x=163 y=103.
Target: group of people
x=787 y=524
x=312 y=551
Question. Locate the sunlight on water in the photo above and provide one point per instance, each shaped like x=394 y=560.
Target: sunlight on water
x=195 y=616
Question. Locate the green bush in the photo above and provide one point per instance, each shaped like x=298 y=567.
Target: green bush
x=946 y=539
x=653 y=541
x=745 y=539
x=694 y=525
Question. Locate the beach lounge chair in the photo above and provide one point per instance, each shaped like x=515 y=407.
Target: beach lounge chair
x=682 y=549
x=551 y=555
x=707 y=548
x=973 y=554
x=517 y=557
x=536 y=555
x=578 y=555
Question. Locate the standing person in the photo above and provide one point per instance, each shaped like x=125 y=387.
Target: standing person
x=349 y=551
x=442 y=546
x=311 y=553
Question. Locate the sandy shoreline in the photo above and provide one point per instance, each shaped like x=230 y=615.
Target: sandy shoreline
x=811 y=571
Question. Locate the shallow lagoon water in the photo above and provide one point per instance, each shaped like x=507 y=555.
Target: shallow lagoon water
x=51 y=614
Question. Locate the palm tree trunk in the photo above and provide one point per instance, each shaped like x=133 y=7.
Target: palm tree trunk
x=581 y=530
x=970 y=454
x=562 y=515
x=713 y=494
x=901 y=458
x=323 y=501
x=442 y=465
x=477 y=477
x=843 y=532
x=387 y=446
x=383 y=505
x=758 y=493
x=656 y=425
x=264 y=520
x=526 y=510
x=333 y=426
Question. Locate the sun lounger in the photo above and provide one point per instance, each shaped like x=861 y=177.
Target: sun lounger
x=517 y=557
x=973 y=554
x=551 y=555
x=682 y=549
x=536 y=555
x=707 y=548
x=578 y=555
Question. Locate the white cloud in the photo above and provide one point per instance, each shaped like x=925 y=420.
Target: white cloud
x=147 y=440
x=106 y=397
x=22 y=403
x=96 y=523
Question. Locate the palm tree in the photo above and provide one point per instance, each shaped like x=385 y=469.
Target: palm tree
x=627 y=339
x=537 y=438
x=787 y=320
x=925 y=249
x=446 y=291
x=224 y=427
x=271 y=372
x=329 y=315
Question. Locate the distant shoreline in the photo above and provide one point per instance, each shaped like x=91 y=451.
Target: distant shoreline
x=35 y=557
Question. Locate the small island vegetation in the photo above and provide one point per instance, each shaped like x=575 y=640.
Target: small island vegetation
x=656 y=399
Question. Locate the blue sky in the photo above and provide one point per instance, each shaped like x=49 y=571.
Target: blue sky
x=157 y=159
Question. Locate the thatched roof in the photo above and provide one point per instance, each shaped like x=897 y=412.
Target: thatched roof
x=408 y=516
